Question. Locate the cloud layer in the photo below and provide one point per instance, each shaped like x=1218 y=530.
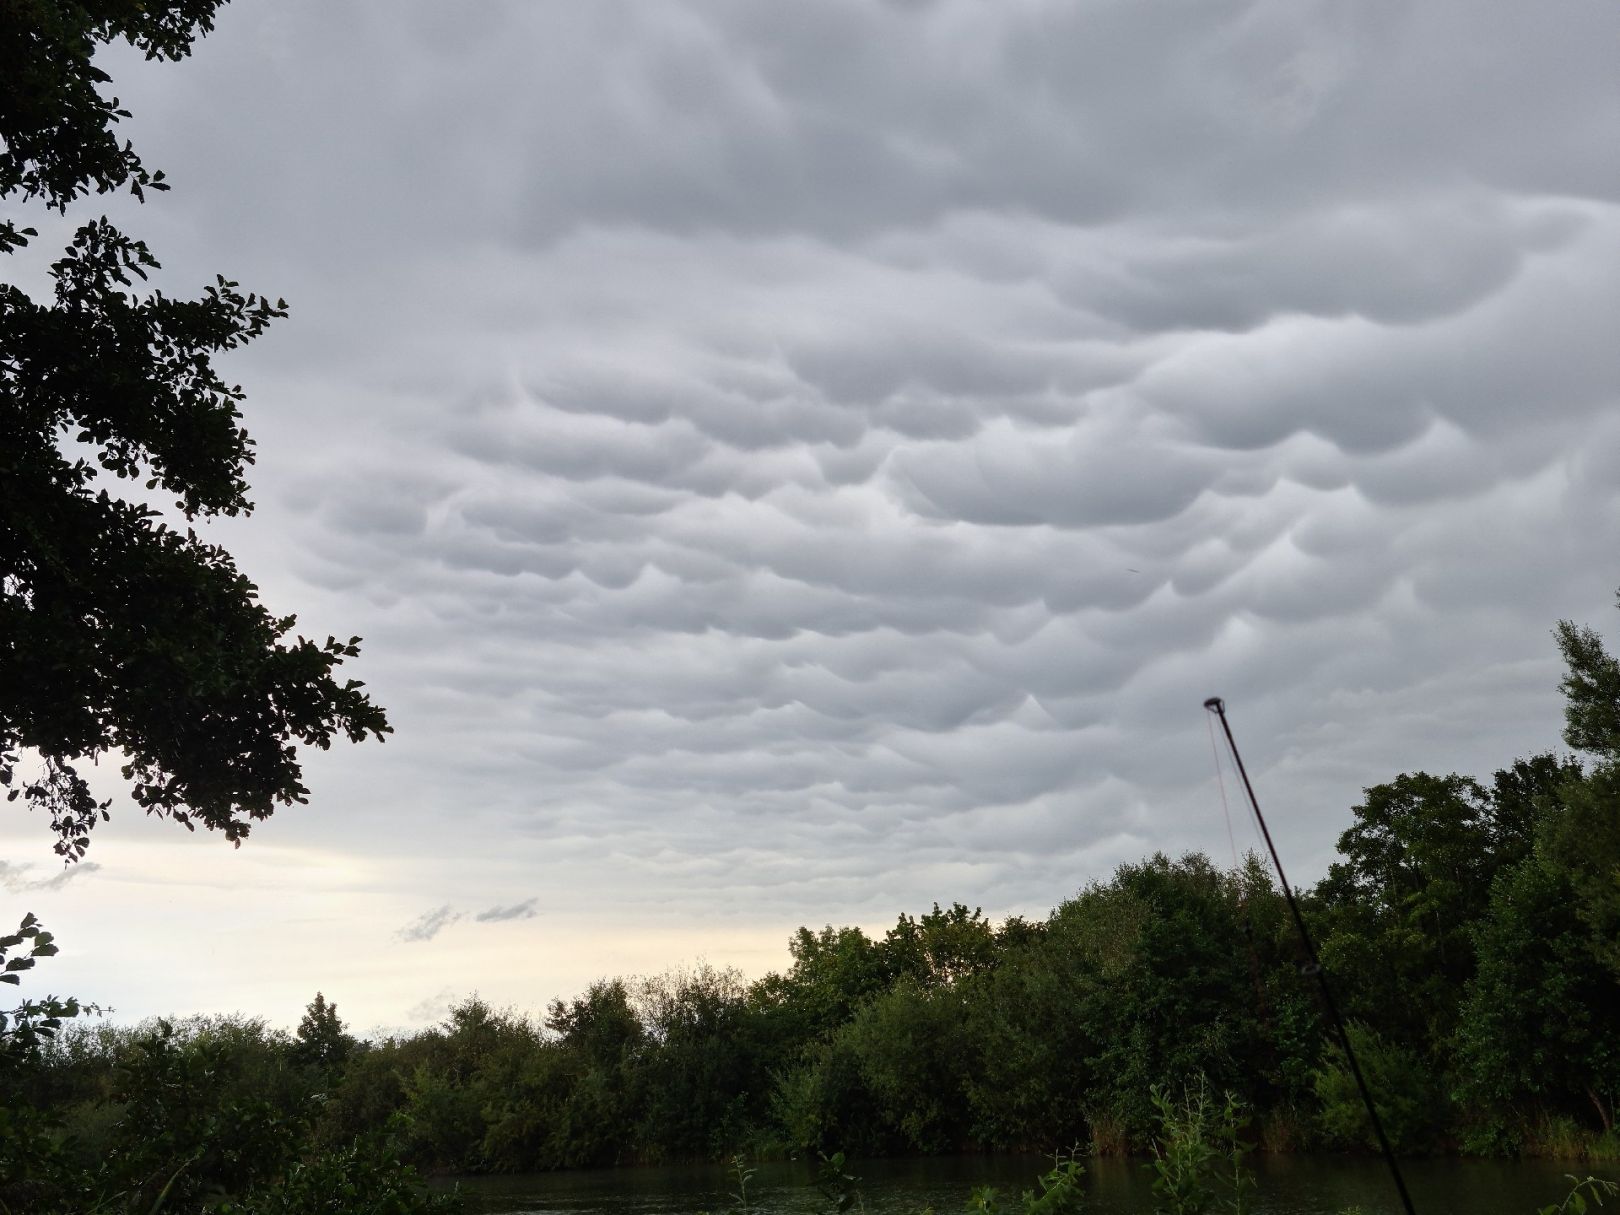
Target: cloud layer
x=428 y=925
x=512 y=911
x=20 y=878
x=793 y=464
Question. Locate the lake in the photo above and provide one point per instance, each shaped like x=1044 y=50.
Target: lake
x=1289 y=1185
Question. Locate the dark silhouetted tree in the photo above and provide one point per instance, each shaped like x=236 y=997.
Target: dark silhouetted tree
x=1584 y=837
x=122 y=629
x=322 y=1040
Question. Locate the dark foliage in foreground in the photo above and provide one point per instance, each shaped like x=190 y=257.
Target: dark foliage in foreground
x=1467 y=927
x=209 y=1115
x=121 y=628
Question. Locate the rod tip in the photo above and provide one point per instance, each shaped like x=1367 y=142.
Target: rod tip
x=1214 y=704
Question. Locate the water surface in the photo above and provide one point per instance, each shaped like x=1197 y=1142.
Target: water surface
x=1289 y=1185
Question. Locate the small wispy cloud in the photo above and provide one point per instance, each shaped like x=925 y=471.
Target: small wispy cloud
x=429 y=924
x=515 y=911
x=18 y=878
x=433 y=1007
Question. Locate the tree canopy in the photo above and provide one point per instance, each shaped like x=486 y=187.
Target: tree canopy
x=122 y=629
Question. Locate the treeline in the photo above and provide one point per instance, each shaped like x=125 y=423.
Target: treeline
x=1471 y=931
x=1480 y=981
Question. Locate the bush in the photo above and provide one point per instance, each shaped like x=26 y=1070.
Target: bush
x=1199 y=1153
x=366 y=1178
x=1410 y=1103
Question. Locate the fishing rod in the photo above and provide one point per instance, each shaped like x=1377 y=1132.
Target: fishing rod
x=1314 y=966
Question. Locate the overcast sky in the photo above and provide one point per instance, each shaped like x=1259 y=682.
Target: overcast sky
x=794 y=462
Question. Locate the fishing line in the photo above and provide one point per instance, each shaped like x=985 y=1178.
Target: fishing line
x=1217 y=706
x=1220 y=783
x=1244 y=911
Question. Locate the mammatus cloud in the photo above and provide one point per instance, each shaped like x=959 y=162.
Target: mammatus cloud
x=429 y=924
x=19 y=878
x=869 y=471
x=515 y=911
x=824 y=456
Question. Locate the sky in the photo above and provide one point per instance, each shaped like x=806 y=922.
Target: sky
x=795 y=463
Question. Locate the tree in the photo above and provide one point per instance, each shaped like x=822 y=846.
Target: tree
x=1591 y=690
x=1411 y=1106
x=705 y=1066
x=1417 y=870
x=322 y=1040
x=121 y=630
x=834 y=972
x=943 y=946
x=913 y=1051
x=1583 y=838
x=603 y=1040
x=1539 y=1021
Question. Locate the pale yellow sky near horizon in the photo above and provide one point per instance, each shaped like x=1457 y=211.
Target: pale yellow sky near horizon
x=159 y=922
x=134 y=929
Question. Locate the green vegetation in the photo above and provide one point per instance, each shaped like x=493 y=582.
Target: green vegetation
x=1584 y=1192
x=1200 y=1154
x=206 y=1115
x=1472 y=929
x=1466 y=927
x=121 y=629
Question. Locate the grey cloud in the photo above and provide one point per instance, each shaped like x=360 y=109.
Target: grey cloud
x=1099 y=475
x=512 y=911
x=19 y=878
x=429 y=924
x=845 y=119
x=1396 y=264
x=434 y=1007
x=791 y=460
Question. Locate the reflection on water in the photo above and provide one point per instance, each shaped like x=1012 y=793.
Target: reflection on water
x=1289 y=1185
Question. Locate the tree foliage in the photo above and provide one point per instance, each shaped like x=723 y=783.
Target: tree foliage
x=321 y=1041
x=122 y=629
x=1583 y=837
